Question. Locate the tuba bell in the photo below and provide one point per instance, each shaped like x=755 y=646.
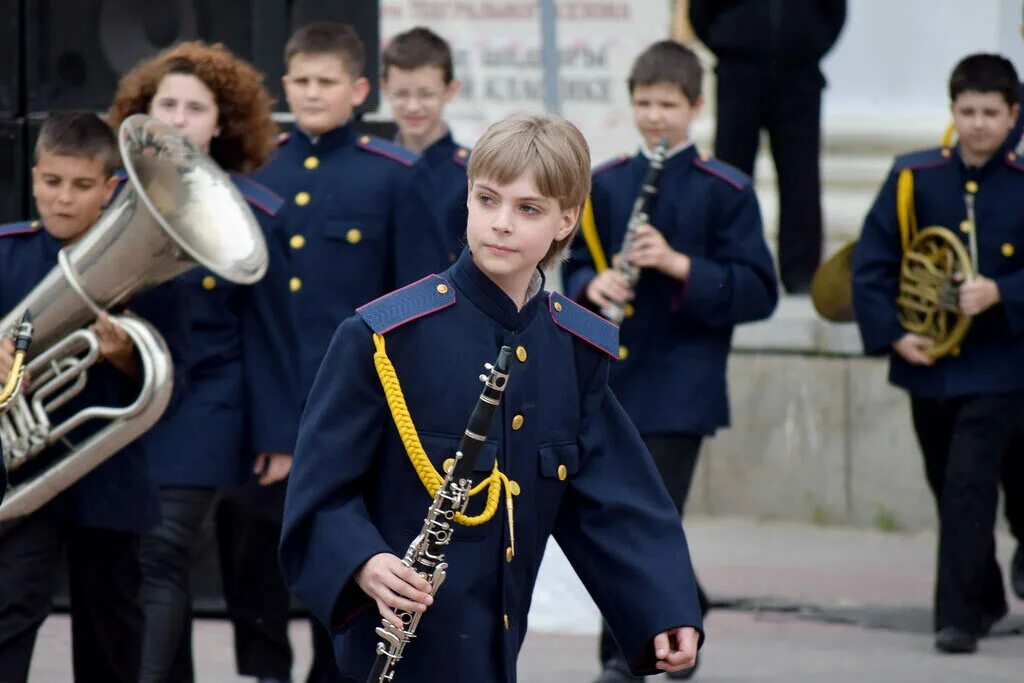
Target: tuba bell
x=177 y=211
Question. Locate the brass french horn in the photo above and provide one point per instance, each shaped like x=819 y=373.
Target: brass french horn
x=927 y=298
x=927 y=295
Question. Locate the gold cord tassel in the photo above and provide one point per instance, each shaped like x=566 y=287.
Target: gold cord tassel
x=428 y=475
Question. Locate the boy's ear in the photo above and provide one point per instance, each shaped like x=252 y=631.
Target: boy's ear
x=698 y=105
x=570 y=217
x=453 y=90
x=110 y=186
x=1015 y=112
x=360 y=90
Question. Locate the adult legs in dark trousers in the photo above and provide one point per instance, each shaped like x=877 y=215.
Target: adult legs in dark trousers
x=675 y=456
x=106 y=620
x=248 y=524
x=786 y=101
x=166 y=560
x=964 y=441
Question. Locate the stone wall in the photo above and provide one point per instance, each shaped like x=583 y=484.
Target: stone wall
x=818 y=434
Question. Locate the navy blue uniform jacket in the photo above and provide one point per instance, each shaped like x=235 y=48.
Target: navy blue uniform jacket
x=992 y=353
x=585 y=478
x=1014 y=140
x=240 y=399
x=441 y=172
x=119 y=494
x=675 y=346
x=355 y=226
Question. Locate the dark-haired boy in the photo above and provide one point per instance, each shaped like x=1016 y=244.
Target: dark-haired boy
x=705 y=268
x=967 y=407
x=418 y=79
x=98 y=521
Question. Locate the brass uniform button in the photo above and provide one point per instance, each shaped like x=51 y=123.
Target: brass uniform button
x=623 y=353
x=563 y=472
x=447 y=465
x=558 y=305
x=297 y=242
x=295 y=284
x=628 y=311
x=302 y=198
x=442 y=289
x=521 y=353
x=354 y=236
x=946 y=152
x=35 y=224
x=1011 y=156
x=209 y=282
x=508 y=554
x=506 y=622
x=513 y=487
x=365 y=139
x=971 y=186
x=965 y=226
x=1007 y=250
x=517 y=422
x=311 y=163
x=462 y=154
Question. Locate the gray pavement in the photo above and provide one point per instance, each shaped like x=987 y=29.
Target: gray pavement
x=785 y=586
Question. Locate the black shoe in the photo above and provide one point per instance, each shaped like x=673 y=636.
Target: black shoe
x=685 y=674
x=1017 y=571
x=955 y=641
x=616 y=671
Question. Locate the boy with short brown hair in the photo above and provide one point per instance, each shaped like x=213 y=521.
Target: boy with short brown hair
x=562 y=453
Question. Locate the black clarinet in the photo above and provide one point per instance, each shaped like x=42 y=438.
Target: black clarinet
x=426 y=553
x=640 y=215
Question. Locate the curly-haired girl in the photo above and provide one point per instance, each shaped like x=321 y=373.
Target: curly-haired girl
x=239 y=411
x=214 y=98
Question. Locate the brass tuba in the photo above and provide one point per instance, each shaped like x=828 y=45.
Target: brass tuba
x=178 y=210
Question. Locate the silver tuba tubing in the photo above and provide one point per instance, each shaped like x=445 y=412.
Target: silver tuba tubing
x=177 y=211
x=126 y=423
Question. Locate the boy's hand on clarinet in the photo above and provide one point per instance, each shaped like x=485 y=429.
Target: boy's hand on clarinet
x=393 y=586
x=650 y=250
x=609 y=287
x=676 y=649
